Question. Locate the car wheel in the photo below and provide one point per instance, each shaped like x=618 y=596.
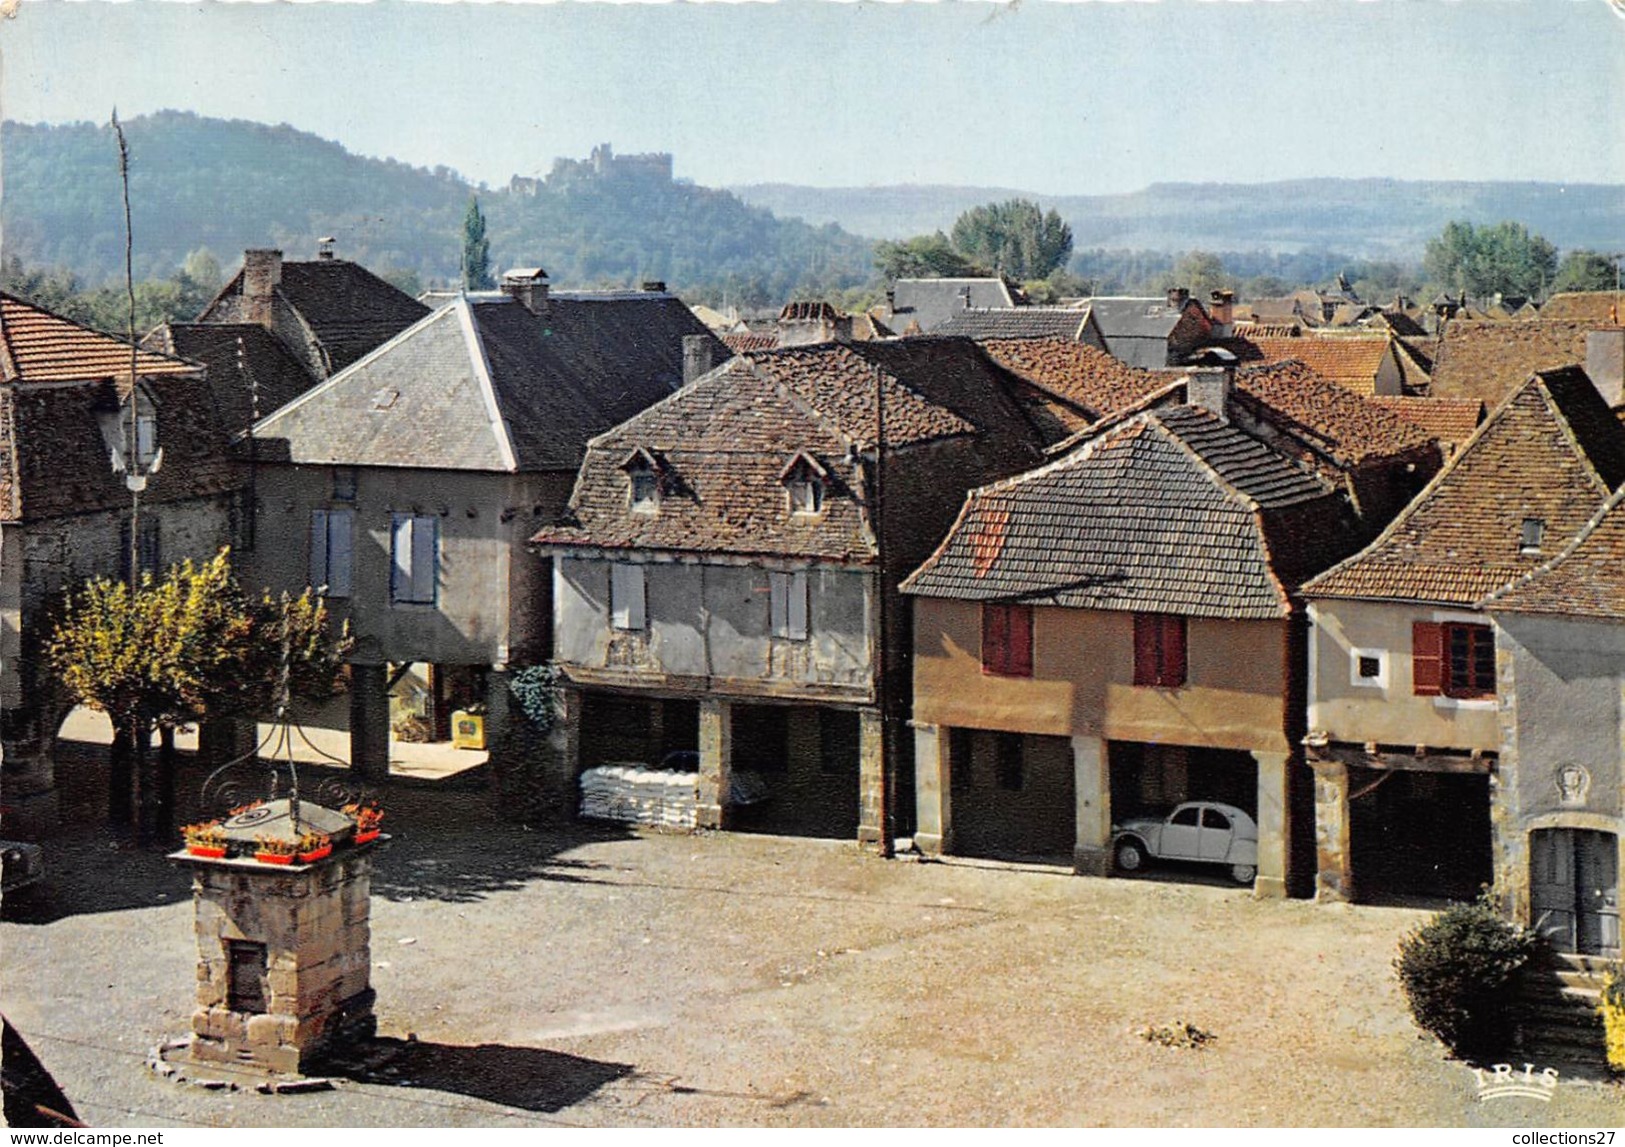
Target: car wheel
x=1243 y=873
x=1131 y=855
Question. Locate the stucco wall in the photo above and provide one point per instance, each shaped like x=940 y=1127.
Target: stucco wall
x=492 y=594
x=711 y=622
x=1389 y=712
x=1083 y=679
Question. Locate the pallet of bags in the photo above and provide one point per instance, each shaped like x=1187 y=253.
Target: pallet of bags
x=635 y=794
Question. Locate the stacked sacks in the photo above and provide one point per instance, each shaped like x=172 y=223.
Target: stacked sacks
x=634 y=794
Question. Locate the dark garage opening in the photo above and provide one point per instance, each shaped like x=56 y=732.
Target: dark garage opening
x=1012 y=795
x=1149 y=780
x=1416 y=835
x=808 y=758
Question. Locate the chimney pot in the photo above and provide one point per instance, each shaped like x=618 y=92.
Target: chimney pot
x=324 y=247
x=528 y=287
x=1178 y=296
x=656 y=285
x=1224 y=307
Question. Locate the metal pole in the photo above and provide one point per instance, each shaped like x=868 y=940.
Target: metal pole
x=888 y=781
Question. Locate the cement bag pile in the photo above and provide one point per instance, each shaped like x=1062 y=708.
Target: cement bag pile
x=632 y=794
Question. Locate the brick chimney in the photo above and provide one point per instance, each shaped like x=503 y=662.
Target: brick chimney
x=1178 y=297
x=528 y=286
x=1605 y=364
x=1224 y=307
x=698 y=352
x=1210 y=388
x=262 y=271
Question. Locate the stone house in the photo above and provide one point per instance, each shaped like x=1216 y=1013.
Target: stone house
x=65 y=412
x=1404 y=700
x=410 y=482
x=1157 y=332
x=1559 y=801
x=1118 y=631
x=725 y=576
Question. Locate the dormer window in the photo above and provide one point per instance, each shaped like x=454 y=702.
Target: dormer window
x=146 y=437
x=804 y=480
x=643 y=479
x=1529 y=538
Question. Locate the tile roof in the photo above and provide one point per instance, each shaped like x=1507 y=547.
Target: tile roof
x=1587 y=579
x=1601 y=307
x=1090 y=383
x=751 y=340
x=922 y=305
x=1489 y=360
x=1171 y=511
x=1018 y=323
x=723 y=443
x=1351 y=428
x=1257 y=330
x=1349 y=360
x=249 y=369
x=1552 y=452
x=485 y=384
x=38 y=346
x=1450 y=420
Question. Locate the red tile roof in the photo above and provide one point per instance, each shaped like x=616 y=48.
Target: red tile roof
x=37 y=346
x=1348 y=360
x=1088 y=381
x=1450 y=420
x=1489 y=360
x=1603 y=307
x=1587 y=579
x=1350 y=427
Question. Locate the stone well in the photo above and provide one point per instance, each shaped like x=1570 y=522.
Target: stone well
x=284 y=967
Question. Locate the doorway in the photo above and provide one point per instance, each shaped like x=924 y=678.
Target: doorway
x=1574 y=889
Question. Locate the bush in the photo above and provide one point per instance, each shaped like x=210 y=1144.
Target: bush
x=1459 y=975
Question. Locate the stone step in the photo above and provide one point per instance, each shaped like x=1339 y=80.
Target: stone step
x=1555 y=991
x=1559 y=1015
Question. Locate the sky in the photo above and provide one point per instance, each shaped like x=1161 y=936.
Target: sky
x=1054 y=98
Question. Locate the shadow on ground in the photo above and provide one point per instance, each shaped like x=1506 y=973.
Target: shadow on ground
x=529 y=1078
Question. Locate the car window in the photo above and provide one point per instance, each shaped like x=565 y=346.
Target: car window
x=1213 y=818
x=1185 y=816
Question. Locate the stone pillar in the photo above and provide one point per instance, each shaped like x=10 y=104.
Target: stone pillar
x=1092 y=791
x=933 y=791
x=1274 y=826
x=369 y=721
x=872 y=780
x=1334 y=873
x=716 y=763
x=28 y=774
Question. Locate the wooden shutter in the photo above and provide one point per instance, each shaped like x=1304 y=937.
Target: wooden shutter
x=778 y=594
x=318 y=548
x=796 y=613
x=1171 y=673
x=400 y=557
x=340 y=547
x=1147 y=631
x=1018 y=657
x=1427 y=658
x=626 y=596
x=425 y=558
x=995 y=636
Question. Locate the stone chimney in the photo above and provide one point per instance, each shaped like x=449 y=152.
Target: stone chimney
x=1178 y=297
x=324 y=248
x=1224 y=307
x=1210 y=387
x=1605 y=364
x=698 y=352
x=527 y=285
x=654 y=286
x=262 y=271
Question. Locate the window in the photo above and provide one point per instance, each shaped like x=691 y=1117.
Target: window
x=645 y=491
x=414 y=557
x=1008 y=761
x=344 y=483
x=1452 y=659
x=1529 y=538
x=245 y=976
x=331 y=534
x=1007 y=639
x=1185 y=817
x=806 y=495
x=787 y=598
x=148 y=556
x=626 y=596
x=1369 y=667
x=1159 y=650
x=146 y=439
x=1213 y=818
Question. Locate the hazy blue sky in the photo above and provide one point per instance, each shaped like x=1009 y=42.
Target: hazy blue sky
x=1043 y=96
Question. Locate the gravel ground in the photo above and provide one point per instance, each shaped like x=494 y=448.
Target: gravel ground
x=577 y=977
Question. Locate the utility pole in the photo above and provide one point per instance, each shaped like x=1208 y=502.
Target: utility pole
x=888 y=779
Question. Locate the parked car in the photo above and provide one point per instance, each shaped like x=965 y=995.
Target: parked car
x=1205 y=832
x=20 y=865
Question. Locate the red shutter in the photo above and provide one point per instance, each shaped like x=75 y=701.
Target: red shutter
x=1427 y=658
x=1173 y=652
x=1018 y=661
x=994 y=637
x=1145 y=648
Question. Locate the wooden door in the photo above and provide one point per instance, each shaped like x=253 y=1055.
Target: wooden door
x=1574 y=889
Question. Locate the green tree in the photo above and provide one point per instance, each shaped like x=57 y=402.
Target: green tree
x=924 y=257
x=1504 y=259
x=1014 y=238
x=1201 y=271
x=1586 y=271
x=476 y=249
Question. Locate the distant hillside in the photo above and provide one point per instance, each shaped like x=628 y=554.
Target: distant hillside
x=1372 y=218
x=227 y=185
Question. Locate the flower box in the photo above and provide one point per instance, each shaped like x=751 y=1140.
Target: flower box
x=368 y=836
x=274 y=857
x=211 y=851
x=316 y=854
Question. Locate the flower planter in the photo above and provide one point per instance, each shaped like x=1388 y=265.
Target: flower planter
x=365 y=837
x=274 y=857
x=211 y=851
x=1613 y=1019
x=316 y=854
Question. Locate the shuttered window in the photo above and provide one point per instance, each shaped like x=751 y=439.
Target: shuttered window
x=414 y=558
x=1007 y=639
x=1427 y=658
x=626 y=596
x=787 y=599
x=1453 y=660
x=332 y=534
x=1159 y=650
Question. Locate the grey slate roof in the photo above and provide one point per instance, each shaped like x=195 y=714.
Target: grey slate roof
x=1137 y=330
x=1172 y=511
x=485 y=384
x=929 y=303
x=1018 y=323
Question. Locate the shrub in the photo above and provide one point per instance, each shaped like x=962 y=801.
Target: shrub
x=1459 y=975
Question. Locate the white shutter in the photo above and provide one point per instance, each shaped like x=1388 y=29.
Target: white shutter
x=778 y=587
x=796 y=623
x=425 y=558
x=626 y=596
x=400 y=557
x=340 y=532
x=318 y=548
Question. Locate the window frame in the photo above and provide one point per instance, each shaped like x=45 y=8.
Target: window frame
x=1000 y=655
x=1434 y=660
x=1161 y=651
x=332 y=565
x=788 y=594
x=1477 y=637
x=408 y=584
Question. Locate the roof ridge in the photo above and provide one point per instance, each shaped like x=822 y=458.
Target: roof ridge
x=488 y=390
x=1487 y=602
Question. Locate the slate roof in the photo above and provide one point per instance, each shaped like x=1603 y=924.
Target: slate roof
x=38 y=346
x=724 y=441
x=1603 y=308
x=1489 y=360
x=1553 y=451
x=264 y=364
x=1587 y=579
x=1019 y=323
x=1170 y=511
x=1141 y=331
x=485 y=384
x=923 y=305
x=346 y=307
x=1349 y=360
x=1450 y=420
